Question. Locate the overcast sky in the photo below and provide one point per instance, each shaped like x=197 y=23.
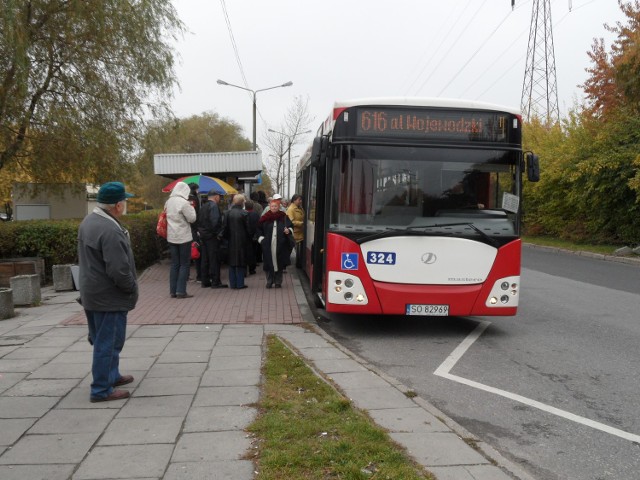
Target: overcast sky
x=343 y=49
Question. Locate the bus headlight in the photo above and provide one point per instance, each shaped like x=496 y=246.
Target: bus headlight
x=344 y=288
x=504 y=293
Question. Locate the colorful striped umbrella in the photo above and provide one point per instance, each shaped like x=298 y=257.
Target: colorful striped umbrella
x=205 y=183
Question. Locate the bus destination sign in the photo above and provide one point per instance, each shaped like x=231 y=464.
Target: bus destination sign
x=433 y=124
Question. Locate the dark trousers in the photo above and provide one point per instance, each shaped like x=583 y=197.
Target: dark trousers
x=180 y=266
x=236 y=276
x=299 y=247
x=274 y=277
x=210 y=262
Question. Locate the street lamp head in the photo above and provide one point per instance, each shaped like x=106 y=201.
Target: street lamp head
x=221 y=82
x=288 y=84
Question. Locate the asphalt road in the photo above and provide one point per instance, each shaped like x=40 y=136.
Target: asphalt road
x=555 y=389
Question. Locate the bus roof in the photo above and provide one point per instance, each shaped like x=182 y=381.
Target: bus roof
x=425 y=102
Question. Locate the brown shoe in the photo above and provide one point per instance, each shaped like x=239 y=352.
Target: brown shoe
x=123 y=380
x=115 y=395
x=183 y=295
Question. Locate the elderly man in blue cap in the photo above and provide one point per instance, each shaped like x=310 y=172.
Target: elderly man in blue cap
x=108 y=288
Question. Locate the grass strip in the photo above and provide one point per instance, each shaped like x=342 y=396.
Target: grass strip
x=307 y=430
x=568 y=245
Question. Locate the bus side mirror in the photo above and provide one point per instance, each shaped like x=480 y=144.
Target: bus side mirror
x=533 y=167
x=319 y=151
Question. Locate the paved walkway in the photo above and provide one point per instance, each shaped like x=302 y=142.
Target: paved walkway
x=197 y=368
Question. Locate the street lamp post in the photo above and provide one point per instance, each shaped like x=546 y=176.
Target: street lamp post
x=290 y=142
x=254 y=92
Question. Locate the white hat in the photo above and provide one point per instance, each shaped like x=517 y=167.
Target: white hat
x=277 y=196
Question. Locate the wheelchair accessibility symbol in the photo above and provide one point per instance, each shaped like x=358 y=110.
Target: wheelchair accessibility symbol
x=349 y=261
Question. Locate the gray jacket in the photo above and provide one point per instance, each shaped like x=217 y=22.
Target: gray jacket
x=108 y=281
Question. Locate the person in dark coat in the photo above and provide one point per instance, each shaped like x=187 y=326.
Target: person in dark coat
x=194 y=200
x=252 y=245
x=108 y=288
x=276 y=237
x=211 y=228
x=238 y=235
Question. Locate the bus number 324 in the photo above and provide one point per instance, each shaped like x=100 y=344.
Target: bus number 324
x=381 y=258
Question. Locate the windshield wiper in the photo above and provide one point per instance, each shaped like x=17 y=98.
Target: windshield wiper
x=393 y=232
x=411 y=230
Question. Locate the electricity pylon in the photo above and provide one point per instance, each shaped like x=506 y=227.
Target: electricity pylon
x=540 y=87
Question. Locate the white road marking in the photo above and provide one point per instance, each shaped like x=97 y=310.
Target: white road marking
x=446 y=366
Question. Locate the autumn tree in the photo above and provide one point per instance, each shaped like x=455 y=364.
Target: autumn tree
x=590 y=188
x=614 y=76
x=204 y=133
x=77 y=81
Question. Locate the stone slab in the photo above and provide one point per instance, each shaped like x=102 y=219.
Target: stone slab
x=219 y=396
x=236 y=363
x=58 y=448
x=132 y=431
x=25 y=407
x=216 y=419
x=211 y=446
x=42 y=387
x=470 y=472
x=230 y=378
x=185 y=356
x=129 y=461
x=177 y=370
x=377 y=398
x=438 y=449
x=11 y=429
x=36 y=472
x=407 y=420
x=236 y=350
x=229 y=470
x=73 y=421
x=359 y=379
x=153 y=387
x=170 y=406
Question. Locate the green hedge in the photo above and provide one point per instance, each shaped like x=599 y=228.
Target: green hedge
x=57 y=240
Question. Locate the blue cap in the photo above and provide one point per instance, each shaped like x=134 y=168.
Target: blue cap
x=112 y=192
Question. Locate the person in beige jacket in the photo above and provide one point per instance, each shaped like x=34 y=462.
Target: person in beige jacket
x=295 y=212
x=180 y=214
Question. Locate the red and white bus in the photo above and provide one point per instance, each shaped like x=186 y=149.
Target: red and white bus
x=414 y=207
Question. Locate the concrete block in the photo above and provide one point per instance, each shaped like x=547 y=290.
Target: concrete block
x=62 y=278
x=623 y=251
x=26 y=289
x=6 y=303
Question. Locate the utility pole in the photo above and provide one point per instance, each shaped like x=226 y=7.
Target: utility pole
x=540 y=86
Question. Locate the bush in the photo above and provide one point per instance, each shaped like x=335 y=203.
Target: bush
x=57 y=240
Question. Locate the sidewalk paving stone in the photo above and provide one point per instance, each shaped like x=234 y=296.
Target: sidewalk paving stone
x=130 y=431
x=216 y=396
x=227 y=470
x=48 y=472
x=211 y=446
x=219 y=418
x=153 y=387
x=57 y=448
x=128 y=461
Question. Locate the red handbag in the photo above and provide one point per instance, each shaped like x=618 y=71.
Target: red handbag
x=161 y=227
x=195 y=250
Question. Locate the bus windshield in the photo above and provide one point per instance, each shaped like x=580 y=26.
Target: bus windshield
x=378 y=187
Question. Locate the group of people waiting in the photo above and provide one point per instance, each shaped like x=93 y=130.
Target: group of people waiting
x=249 y=232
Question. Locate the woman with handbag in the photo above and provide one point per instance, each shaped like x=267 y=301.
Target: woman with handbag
x=275 y=235
x=180 y=214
